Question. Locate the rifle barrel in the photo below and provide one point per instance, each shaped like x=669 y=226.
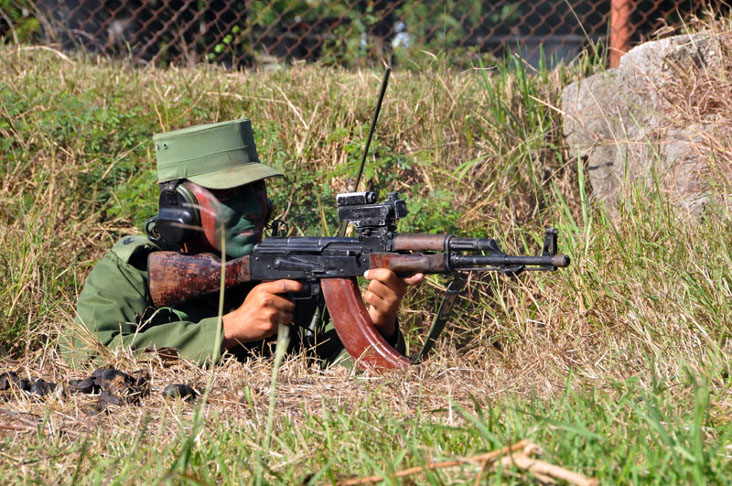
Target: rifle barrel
x=476 y=261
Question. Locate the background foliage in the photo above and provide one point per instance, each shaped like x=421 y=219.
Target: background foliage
x=355 y=33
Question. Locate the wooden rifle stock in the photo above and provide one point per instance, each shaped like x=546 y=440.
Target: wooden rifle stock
x=175 y=277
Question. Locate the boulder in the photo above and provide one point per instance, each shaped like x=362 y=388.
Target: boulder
x=646 y=123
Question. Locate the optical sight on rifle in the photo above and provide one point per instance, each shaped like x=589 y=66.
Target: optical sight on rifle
x=366 y=215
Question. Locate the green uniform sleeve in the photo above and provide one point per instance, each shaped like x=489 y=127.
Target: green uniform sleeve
x=115 y=306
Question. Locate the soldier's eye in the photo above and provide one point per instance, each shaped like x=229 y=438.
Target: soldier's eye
x=257 y=186
x=226 y=194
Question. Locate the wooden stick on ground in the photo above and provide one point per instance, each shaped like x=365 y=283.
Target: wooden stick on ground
x=543 y=469
x=480 y=458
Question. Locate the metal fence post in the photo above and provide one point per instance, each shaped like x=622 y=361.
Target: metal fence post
x=620 y=30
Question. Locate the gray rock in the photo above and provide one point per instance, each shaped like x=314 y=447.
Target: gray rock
x=629 y=126
x=86 y=385
x=181 y=391
x=8 y=380
x=42 y=387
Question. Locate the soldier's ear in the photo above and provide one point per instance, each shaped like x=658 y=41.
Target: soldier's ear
x=178 y=217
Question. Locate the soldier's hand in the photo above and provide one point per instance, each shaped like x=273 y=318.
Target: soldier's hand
x=259 y=316
x=384 y=294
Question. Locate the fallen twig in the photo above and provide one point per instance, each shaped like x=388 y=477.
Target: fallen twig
x=514 y=455
x=25 y=424
x=544 y=469
x=478 y=459
x=47 y=48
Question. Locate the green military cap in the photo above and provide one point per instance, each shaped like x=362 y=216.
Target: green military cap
x=215 y=156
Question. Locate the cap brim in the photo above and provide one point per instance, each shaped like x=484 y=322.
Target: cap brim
x=235 y=176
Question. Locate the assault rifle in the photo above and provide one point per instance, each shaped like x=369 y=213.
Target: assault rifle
x=330 y=266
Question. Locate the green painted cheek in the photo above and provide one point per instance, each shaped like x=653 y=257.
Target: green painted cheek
x=236 y=249
x=238 y=245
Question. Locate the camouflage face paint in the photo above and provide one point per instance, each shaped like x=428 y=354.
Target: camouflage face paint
x=236 y=215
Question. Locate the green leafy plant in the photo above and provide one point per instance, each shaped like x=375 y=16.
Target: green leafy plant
x=18 y=22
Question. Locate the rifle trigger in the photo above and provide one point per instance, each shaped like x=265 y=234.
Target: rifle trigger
x=308 y=291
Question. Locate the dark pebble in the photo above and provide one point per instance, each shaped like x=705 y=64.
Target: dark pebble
x=134 y=394
x=42 y=388
x=106 y=374
x=123 y=386
x=8 y=380
x=112 y=378
x=106 y=399
x=11 y=381
x=142 y=378
x=24 y=385
x=176 y=390
x=86 y=385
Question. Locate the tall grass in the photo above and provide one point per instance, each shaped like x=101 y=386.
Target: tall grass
x=619 y=366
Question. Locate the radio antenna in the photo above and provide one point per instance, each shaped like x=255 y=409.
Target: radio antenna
x=384 y=83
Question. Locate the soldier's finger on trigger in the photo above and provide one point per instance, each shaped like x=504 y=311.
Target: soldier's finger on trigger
x=292 y=286
x=283 y=286
x=282 y=303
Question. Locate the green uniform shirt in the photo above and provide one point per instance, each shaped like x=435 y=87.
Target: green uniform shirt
x=115 y=305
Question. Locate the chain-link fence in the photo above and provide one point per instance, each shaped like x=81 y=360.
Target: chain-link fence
x=346 y=32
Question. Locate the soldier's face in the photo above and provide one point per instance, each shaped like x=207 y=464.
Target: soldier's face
x=232 y=219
